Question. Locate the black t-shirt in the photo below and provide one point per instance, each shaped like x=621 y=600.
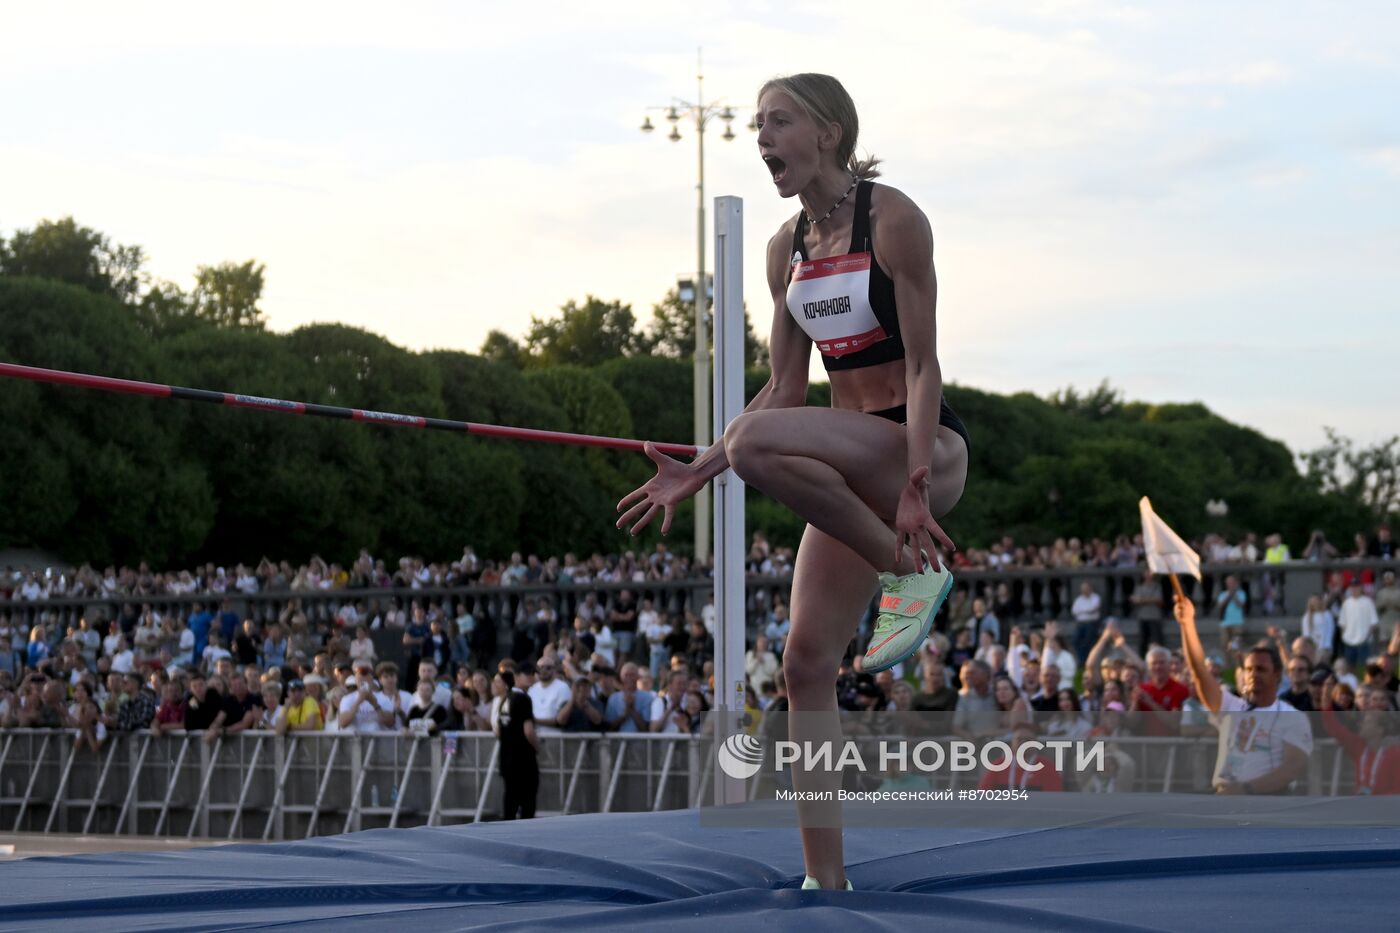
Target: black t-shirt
x=245 y=649
x=624 y=617
x=200 y=716
x=517 y=754
x=434 y=712
x=235 y=709
x=1301 y=701
x=1046 y=704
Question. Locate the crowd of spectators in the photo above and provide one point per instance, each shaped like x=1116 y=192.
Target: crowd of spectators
x=609 y=660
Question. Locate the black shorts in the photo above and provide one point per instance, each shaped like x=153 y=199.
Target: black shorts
x=899 y=414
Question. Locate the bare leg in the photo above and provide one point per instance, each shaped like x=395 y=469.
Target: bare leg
x=842 y=472
x=831 y=587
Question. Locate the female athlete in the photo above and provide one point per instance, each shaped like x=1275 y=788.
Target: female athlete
x=853 y=274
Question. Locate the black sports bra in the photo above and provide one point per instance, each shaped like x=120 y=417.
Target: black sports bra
x=845 y=303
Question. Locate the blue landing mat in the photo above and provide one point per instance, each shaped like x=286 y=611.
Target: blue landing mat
x=1119 y=864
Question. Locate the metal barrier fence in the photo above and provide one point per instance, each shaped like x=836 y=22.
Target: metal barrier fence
x=258 y=785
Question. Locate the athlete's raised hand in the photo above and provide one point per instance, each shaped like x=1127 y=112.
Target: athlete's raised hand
x=914 y=524
x=673 y=483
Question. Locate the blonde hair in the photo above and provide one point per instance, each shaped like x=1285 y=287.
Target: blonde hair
x=823 y=99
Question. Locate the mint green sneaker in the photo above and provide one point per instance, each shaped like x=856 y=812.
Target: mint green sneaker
x=810 y=884
x=907 y=607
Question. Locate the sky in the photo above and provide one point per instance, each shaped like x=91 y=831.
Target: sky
x=1195 y=201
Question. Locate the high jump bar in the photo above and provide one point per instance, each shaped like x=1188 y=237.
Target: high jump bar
x=239 y=400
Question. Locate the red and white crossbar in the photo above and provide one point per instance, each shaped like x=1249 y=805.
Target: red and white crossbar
x=238 y=400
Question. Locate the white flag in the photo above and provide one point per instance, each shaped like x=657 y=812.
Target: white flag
x=1166 y=552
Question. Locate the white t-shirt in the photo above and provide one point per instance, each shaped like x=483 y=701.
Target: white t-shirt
x=605 y=644
x=658 y=710
x=1086 y=608
x=386 y=702
x=123 y=662
x=548 y=701
x=366 y=711
x=1252 y=740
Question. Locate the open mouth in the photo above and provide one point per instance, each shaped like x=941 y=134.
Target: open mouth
x=776 y=167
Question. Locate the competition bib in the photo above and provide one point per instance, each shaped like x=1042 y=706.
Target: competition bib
x=830 y=299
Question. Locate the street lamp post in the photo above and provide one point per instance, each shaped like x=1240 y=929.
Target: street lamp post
x=701 y=113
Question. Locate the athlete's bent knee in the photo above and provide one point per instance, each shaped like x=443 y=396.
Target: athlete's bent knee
x=808 y=668
x=744 y=447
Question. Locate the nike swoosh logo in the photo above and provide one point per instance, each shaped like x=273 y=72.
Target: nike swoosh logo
x=875 y=648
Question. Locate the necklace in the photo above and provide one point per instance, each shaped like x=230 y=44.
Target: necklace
x=839 y=201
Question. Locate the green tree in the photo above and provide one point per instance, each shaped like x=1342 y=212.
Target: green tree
x=93 y=476
x=584 y=334
x=1369 y=475
x=227 y=295
x=671 y=332
x=65 y=252
x=500 y=347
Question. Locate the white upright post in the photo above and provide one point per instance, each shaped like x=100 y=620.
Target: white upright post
x=729 y=489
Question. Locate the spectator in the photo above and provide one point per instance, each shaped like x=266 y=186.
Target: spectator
x=442 y=691
x=463 y=715
x=983 y=625
x=204 y=705
x=668 y=714
x=1067 y=722
x=426 y=716
x=171 y=712
x=583 y=712
x=1045 y=777
x=1056 y=652
x=777 y=629
x=300 y=712
x=274 y=647
x=415 y=635
x=362 y=707
x=394 y=701
x=1373 y=748
x=1318 y=548
x=1387 y=600
x=629 y=709
x=38 y=646
x=140 y=708
x=1231 y=604
x=317 y=689
x=88 y=639
x=1319 y=626
x=1264 y=743
x=548 y=695
x=1158 y=696
x=1087 y=610
x=761 y=663
x=81 y=715
x=656 y=627
x=935 y=694
x=271 y=714
x=1045 y=699
x=198 y=624
x=513 y=722
x=1382 y=546
x=976 y=716
x=362 y=647
x=1014 y=708
x=1298 y=691
x=623 y=619
x=240 y=711
x=1357 y=624
x=1147 y=602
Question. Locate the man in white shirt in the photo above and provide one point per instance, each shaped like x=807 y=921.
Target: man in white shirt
x=363 y=709
x=1086 y=609
x=1356 y=622
x=668 y=709
x=1264 y=742
x=548 y=694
